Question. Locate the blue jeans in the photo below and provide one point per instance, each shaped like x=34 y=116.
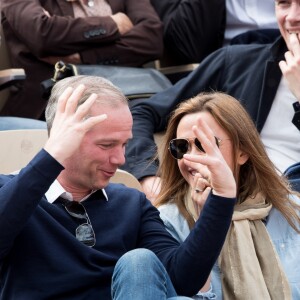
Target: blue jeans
x=139 y=275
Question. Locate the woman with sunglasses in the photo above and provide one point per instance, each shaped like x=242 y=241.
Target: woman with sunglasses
x=261 y=255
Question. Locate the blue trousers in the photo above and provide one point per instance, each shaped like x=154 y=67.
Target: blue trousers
x=139 y=275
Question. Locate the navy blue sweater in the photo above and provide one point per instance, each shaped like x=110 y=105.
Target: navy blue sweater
x=40 y=257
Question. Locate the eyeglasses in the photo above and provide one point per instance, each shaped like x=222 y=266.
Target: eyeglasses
x=179 y=147
x=84 y=232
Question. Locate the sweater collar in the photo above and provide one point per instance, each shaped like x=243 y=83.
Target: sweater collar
x=56 y=190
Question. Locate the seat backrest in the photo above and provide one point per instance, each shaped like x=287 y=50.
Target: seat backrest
x=158 y=138
x=126 y=178
x=18 y=147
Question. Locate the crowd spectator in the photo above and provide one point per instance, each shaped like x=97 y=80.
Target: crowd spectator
x=250 y=73
x=261 y=249
x=39 y=33
x=195 y=28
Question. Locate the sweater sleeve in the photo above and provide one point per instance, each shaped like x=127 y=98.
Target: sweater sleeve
x=136 y=46
x=200 y=250
x=55 y=34
x=96 y=38
x=189 y=263
x=20 y=195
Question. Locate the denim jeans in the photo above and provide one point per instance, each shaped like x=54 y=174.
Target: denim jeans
x=139 y=275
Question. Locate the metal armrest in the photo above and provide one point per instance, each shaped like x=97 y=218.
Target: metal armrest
x=11 y=76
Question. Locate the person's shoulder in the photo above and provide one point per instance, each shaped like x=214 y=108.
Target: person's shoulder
x=121 y=187
x=248 y=49
x=131 y=199
x=174 y=221
x=278 y=226
x=168 y=209
x=236 y=54
x=294 y=198
x=171 y=212
x=120 y=190
x=5 y=178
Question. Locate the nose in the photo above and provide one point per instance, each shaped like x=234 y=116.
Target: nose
x=194 y=150
x=117 y=156
x=294 y=12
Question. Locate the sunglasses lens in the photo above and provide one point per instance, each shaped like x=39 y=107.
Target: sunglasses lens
x=198 y=145
x=85 y=234
x=217 y=142
x=178 y=147
x=76 y=210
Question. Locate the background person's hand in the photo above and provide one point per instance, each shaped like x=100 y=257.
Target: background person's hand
x=290 y=68
x=123 y=22
x=151 y=187
x=71 y=123
x=221 y=177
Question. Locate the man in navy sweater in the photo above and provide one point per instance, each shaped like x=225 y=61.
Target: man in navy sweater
x=66 y=233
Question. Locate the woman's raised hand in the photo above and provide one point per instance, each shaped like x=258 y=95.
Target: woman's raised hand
x=218 y=173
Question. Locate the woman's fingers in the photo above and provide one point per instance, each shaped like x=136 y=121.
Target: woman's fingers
x=199 y=198
x=200 y=191
x=201 y=182
x=221 y=177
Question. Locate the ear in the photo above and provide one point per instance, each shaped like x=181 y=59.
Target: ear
x=242 y=158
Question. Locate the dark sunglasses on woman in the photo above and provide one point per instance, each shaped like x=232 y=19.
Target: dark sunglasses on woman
x=179 y=147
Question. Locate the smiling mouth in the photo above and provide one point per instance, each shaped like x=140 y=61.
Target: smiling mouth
x=108 y=173
x=293 y=32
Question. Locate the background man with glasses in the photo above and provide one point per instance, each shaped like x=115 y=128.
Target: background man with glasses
x=66 y=233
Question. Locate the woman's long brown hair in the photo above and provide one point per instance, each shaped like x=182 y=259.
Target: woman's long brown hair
x=258 y=174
